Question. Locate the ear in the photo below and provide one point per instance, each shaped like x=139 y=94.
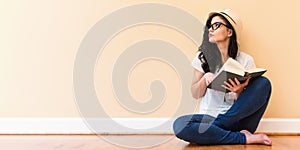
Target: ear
x=229 y=31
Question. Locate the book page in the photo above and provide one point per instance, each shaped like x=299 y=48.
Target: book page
x=233 y=66
x=253 y=70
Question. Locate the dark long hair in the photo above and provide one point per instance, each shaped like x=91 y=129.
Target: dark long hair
x=210 y=55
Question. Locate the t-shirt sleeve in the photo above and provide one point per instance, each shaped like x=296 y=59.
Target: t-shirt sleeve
x=196 y=63
x=246 y=60
x=250 y=63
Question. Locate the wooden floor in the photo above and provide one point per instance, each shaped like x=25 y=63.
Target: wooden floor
x=94 y=142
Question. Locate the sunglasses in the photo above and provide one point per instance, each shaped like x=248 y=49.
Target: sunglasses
x=217 y=25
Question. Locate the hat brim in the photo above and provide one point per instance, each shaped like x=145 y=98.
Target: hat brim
x=229 y=19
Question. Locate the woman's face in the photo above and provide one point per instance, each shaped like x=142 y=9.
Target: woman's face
x=219 y=32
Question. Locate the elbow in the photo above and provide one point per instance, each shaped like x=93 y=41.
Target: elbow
x=197 y=92
x=197 y=95
x=194 y=93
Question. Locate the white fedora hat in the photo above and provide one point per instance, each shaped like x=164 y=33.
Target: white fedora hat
x=233 y=19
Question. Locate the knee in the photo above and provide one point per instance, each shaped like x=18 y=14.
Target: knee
x=264 y=83
x=179 y=125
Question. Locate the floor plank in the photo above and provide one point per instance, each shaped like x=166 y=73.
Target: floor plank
x=116 y=142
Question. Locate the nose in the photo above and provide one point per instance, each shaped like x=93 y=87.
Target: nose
x=210 y=29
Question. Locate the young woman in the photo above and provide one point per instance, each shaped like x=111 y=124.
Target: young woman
x=224 y=118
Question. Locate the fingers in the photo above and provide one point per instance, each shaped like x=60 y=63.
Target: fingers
x=247 y=81
x=225 y=87
x=237 y=81
x=231 y=82
x=227 y=84
x=232 y=85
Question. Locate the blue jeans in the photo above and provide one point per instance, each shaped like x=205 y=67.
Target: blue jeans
x=244 y=114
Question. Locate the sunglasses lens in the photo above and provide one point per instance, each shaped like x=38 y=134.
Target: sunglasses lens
x=216 y=25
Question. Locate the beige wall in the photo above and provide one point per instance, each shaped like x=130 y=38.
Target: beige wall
x=39 y=41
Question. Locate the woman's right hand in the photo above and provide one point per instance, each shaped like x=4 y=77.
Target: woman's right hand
x=208 y=77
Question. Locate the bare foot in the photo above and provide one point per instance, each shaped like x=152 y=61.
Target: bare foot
x=256 y=138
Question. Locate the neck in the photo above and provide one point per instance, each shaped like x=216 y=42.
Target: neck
x=223 y=47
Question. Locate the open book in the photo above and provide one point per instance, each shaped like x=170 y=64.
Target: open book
x=233 y=69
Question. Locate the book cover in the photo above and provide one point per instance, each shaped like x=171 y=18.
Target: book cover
x=230 y=70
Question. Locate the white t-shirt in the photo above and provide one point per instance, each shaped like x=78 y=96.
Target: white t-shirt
x=213 y=102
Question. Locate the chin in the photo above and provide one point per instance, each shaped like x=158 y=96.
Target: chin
x=212 y=41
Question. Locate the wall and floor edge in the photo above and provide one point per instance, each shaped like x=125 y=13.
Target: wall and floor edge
x=128 y=126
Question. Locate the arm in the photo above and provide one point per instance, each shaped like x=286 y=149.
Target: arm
x=199 y=83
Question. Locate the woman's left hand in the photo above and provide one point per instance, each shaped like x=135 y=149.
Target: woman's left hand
x=235 y=86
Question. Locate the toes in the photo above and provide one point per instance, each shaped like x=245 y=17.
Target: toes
x=267 y=140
